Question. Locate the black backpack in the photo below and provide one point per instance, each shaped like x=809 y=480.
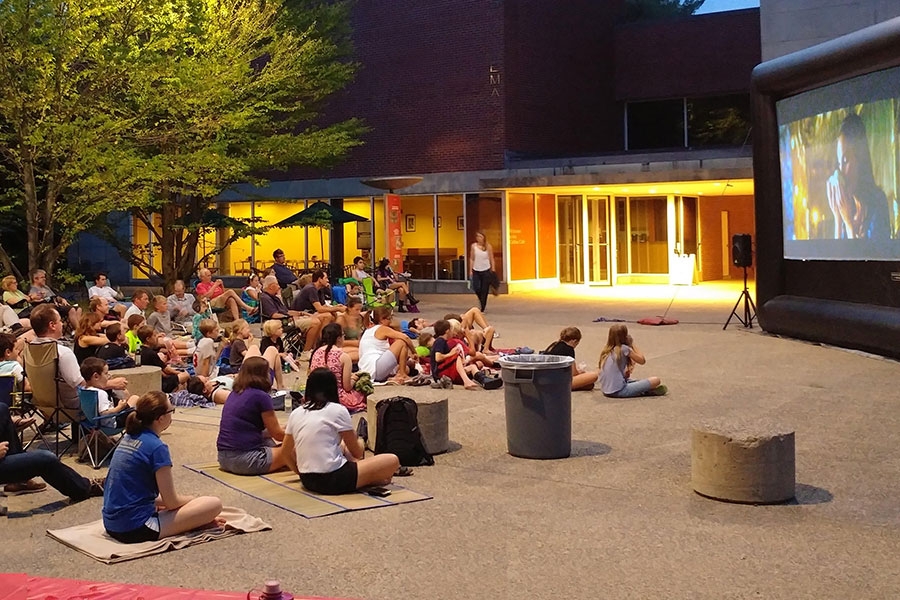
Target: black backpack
x=397 y=432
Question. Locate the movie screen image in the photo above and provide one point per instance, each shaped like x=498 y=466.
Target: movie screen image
x=839 y=155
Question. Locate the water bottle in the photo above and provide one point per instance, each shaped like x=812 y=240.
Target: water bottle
x=271 y=591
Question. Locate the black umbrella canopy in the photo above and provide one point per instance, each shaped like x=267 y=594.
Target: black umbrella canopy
x=320 y=214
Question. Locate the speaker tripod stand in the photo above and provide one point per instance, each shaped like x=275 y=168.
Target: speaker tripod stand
x=749 y=308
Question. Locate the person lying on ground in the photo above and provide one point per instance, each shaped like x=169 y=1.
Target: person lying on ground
x=480 y=339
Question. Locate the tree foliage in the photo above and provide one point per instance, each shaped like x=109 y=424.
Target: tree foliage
x=645 y=10
x=173 y=102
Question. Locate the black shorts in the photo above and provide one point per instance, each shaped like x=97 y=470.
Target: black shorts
x=135 y=536
x=342 y=481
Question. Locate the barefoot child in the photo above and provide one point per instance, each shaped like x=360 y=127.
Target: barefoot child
x=161 y=321
x=206 y=354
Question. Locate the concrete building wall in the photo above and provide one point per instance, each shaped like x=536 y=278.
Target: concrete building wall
x=791 y=25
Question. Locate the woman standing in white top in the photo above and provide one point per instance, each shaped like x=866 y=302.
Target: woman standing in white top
x=481 y=268
x=322 y=448
x=383 y=351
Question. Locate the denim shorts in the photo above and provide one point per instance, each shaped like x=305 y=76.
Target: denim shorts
x=633 y=389
x=246 y=462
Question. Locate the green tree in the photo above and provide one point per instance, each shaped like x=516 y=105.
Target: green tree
x=155 y=107
x=61 y=68
x=645 y=10
x=230 y=90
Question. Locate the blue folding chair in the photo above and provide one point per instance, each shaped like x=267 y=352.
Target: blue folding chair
x=95 y=430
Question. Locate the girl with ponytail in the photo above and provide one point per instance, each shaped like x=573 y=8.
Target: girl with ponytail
x=140 y=503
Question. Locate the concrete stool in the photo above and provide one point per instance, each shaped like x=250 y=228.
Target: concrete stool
x=433 y=415
x=141 y=379
x=752 y=464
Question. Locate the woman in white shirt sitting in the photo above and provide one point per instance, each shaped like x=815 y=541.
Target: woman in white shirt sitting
x=322 y=448
x=384 y=351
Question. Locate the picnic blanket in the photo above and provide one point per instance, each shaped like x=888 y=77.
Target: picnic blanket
x=92 y=539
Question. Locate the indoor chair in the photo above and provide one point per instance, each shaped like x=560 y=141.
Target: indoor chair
x=100 y=440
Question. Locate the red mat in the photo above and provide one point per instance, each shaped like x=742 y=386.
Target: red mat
x=20 y=586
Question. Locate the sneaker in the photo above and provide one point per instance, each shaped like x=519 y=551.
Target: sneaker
x=660 y=390
x=96 y=487
x=446 y=383
x=29 y=487
x=50 y=427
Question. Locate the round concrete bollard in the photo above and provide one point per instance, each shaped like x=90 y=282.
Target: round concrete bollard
x=751 y=464
x=141 y=379
x=433 y=416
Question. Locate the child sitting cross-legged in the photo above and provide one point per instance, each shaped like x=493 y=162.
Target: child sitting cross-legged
x=95 y=373
x=152 y=354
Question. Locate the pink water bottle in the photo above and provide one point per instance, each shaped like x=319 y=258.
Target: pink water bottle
x=272 y=591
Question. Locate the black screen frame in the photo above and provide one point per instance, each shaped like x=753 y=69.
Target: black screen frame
x=849 y=303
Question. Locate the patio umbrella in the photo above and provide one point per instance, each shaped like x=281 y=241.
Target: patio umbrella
x=321 y=215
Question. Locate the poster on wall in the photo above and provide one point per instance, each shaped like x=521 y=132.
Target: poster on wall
x=393 y=233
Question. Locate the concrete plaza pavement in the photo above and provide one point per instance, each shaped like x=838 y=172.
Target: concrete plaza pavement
x=618 y=519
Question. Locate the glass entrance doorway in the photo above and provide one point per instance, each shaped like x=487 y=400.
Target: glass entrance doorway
x=583 y=258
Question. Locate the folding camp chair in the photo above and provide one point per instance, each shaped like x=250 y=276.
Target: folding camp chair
x=42 y=369
x=375 y=298
x=13 y=398
x=100 y=440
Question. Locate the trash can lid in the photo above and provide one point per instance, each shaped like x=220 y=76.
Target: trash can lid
x=535 y=361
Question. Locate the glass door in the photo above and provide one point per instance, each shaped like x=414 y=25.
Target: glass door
x=598 y=240
x=571 y=257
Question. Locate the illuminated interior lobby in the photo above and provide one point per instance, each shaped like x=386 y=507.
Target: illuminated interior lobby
x=543 y=237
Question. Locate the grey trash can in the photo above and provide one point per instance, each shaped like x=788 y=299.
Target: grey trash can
x=538 y=395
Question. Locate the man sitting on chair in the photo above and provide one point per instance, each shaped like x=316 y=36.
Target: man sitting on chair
x=310 y=299
x=219 y=297
x=17 y=467
x=48 y=327
x=282 y=272
x=272 y=307
x=101 y=289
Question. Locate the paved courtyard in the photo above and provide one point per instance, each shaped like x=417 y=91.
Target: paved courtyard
x=618 y=519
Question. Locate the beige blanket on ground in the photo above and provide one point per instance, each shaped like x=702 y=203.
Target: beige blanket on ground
x=92 y=539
